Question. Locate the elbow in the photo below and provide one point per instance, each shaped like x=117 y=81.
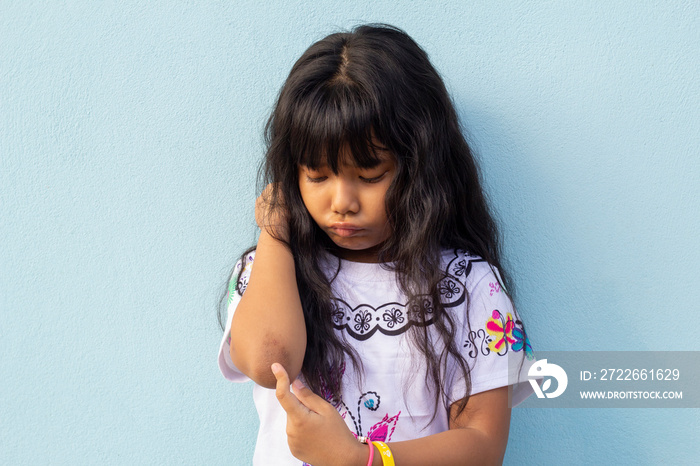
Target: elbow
x=262 y=374
x=256 y=363
x=266 y=379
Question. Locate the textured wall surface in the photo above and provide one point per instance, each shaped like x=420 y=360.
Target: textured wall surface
x=130 y=133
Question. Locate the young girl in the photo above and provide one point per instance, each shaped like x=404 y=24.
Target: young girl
x=376 y=285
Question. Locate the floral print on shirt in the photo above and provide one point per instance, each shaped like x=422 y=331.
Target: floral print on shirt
x=500 y=333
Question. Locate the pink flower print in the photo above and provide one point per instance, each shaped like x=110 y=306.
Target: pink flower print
x=495 y=288
x=383 y=430
x=502 y=331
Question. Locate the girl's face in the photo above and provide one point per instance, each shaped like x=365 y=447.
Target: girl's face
x=349 y=206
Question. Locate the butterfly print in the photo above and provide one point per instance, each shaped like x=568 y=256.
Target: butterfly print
x=502 y=330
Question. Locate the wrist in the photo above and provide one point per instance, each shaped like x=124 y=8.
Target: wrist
x=276 y=235
x=358 y=456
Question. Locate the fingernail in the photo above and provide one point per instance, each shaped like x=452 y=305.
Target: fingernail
x=275 y=368
x=297 y=384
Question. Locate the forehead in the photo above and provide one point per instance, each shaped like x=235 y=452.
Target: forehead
x=359 y=154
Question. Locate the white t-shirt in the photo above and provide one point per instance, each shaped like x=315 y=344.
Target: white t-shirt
x=372 y=314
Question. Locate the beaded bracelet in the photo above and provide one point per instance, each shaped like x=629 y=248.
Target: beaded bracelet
x=387 y=457
x=371 y=449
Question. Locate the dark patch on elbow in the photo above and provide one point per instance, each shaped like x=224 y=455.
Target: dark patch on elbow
x=274 y=351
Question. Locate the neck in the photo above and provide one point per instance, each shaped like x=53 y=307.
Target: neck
x=367 y=256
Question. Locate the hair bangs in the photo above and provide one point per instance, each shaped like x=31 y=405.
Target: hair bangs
x=329 y=122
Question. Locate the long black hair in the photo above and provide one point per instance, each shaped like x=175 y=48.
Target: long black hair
x=349 y=89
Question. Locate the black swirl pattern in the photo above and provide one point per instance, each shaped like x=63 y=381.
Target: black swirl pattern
x=364 y=320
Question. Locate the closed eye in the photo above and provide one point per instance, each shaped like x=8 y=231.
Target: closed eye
x=316 y=180
x=376 y=179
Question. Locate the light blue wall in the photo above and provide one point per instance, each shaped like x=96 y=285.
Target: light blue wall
x=129 y=138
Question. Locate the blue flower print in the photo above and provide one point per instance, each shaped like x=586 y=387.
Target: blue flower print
x=521 y=341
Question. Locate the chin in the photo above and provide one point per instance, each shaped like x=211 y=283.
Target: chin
x=350 y=247
x=358 y=247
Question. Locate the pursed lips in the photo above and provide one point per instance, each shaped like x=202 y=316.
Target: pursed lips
x=345 y=229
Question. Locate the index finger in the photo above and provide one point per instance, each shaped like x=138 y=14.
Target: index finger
x=290 y=403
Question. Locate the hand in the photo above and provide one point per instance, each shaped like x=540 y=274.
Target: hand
x=272 y=217
x=315 y=431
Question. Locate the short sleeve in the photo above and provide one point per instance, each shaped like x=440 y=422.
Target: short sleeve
x=494 y=345
x=239 y=277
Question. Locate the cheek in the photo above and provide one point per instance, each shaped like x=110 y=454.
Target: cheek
x=311 y=202
x=376 y=206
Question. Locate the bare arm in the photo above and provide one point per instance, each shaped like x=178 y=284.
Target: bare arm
x=317 y=434
x=268 y=325
x=478 y=436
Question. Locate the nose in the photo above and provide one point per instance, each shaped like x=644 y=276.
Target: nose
x=345 y=198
